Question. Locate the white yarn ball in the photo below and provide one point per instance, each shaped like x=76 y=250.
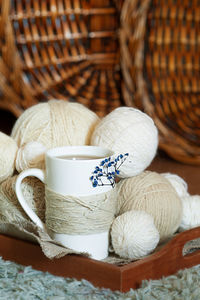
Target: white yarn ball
x=8 y=151
x=178 y=183
x=134 y=234
x=30 y=155
x=54 y=124
x=191 y=212
x=127 y=129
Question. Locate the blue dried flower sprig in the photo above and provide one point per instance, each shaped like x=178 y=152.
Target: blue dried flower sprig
x=105 y=173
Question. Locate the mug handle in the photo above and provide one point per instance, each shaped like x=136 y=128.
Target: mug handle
x=29 y=172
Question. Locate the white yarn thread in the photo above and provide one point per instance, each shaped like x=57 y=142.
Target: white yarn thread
x=55 y=123
x=127 y=129
x=89 y=214
x=134 y=234
x=30 y=155
x=178 y=183
x=8 y=151
x=191 y=212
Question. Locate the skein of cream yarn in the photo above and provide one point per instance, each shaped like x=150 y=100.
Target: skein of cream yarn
x=8 y=151
x=191 y=212
x=53 y=124
x=127 y=129
x=30 y=155
x=34 y=192
x=11 y=212
x=134 y=234
x=152 y=193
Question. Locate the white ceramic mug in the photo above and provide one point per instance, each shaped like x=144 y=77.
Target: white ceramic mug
x=73 y=170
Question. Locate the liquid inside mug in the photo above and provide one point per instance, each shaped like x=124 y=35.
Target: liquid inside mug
x=75 y=171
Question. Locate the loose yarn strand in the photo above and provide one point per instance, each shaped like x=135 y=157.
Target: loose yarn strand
x=80 y=215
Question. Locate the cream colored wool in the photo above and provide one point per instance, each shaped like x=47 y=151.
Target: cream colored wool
x=8 y=151
x=134 y=234
x=128 y=130
x=191 y=212
x=80 y=215
x=178 y=183
x=54 y=124
x=33 y=191
x=152 y=193
x=30 y=155
x=11 y=211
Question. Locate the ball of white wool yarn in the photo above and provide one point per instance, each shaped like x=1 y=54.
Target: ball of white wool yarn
x=151 y=192
x=178 y=183
x=191 y=212
x=55 y=123
x=30 y=155
x=134 y=234
x=8 y=151
x=128 y=130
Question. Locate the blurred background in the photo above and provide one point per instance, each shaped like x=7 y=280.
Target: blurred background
x=105 y=54
x=7 y=120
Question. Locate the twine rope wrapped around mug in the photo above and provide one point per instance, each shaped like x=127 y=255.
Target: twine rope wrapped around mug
x=80 y=215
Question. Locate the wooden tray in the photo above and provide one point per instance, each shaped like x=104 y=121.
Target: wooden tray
x=165 y=262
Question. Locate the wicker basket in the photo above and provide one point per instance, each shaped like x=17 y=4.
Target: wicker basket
x=69 y=49
x=62 y=49
x=160 y=42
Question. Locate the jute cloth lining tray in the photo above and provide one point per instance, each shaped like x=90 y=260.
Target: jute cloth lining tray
x=60 y=49
x=160 y=61
x=168 y=260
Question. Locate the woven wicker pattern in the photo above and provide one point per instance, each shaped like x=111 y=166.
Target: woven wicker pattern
x=59 y=48
x=160 y=42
